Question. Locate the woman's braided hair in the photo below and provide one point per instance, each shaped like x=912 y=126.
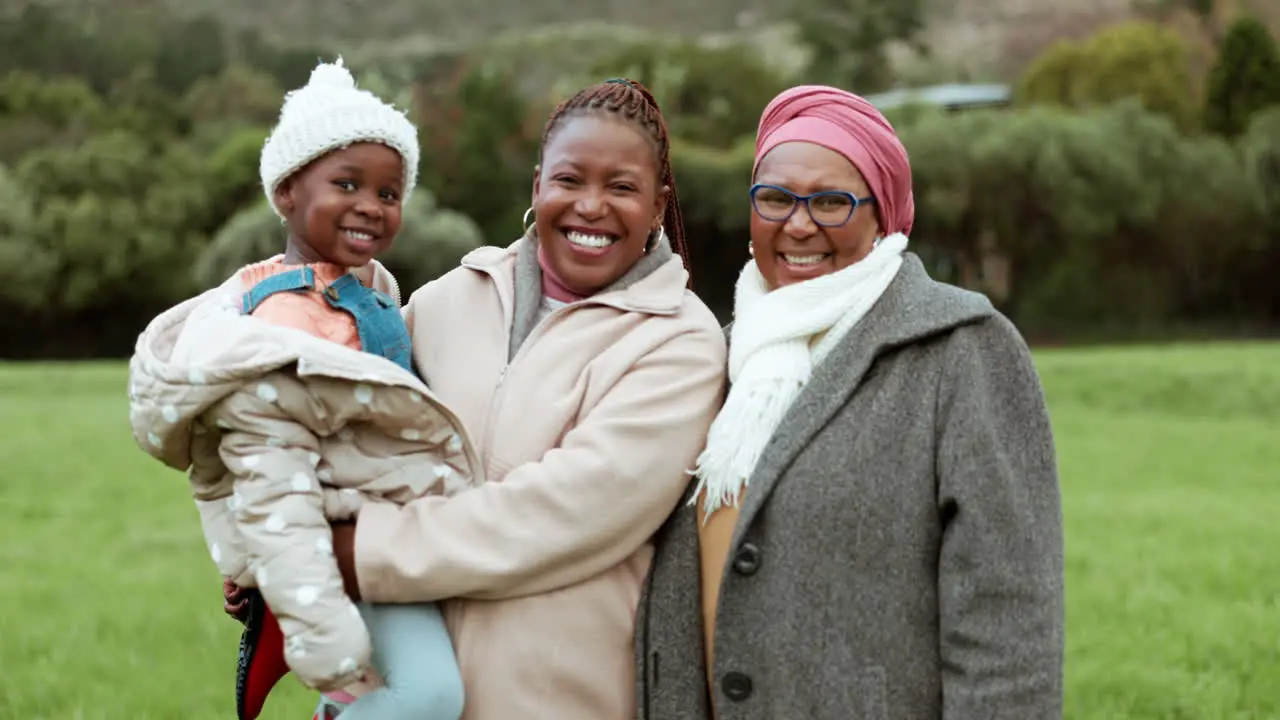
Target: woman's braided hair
x=634 y=103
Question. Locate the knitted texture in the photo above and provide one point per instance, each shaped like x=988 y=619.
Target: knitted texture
x=329 y=113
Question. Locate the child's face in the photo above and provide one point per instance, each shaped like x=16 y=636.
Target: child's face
x=596 y=200
x=344 y=207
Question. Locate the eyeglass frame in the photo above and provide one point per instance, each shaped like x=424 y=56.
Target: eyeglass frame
x=854 y=202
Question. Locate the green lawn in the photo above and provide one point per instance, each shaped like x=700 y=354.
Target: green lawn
x=1170 y=457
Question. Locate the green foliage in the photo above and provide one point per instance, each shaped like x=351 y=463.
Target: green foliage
x=1084 y=209
x=123 y=191
x=711 y=95
x=232 y=170
x=1130 y=60
x=36 y=111
x=1261 y=150
x=431 y=242
x=109 y=212
x=713 y=186
x=848 y=39
x=713 y=183
x=236 y=94
x=479 y=146
x=173 y=51
x=1244 y=79
x=26 y=267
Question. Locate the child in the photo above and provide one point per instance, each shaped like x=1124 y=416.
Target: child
x=289 y=394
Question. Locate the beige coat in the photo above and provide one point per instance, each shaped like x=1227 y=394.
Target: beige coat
x=281 y=432
x=586 y=429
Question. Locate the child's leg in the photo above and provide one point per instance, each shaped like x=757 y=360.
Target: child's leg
x=413 y=653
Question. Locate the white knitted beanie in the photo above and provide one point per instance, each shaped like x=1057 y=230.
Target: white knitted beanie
x=329 y=113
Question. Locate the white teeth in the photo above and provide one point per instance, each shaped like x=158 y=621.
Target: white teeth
x=357 y=235
x=591 y=241
x=803 y=259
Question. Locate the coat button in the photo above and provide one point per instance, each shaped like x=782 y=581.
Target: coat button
x=747 y=561
x=736 y=686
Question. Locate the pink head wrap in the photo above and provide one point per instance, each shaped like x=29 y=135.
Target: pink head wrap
x=843 y=122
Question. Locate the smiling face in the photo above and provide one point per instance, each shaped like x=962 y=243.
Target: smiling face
x=596 y=200
x=343 y=208
x=798 y=249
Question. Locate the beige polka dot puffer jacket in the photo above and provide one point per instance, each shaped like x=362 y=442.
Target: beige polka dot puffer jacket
x=281 y=432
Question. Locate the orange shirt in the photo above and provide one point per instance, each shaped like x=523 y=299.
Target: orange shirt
x=306 y=311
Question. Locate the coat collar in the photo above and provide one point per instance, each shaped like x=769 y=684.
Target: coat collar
x=655 y=285
x=913 y=308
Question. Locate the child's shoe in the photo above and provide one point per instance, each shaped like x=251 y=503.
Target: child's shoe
x=261 y=662
x=332 y=705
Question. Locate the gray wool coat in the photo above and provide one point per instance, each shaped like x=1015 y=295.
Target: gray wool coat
x=899 y=550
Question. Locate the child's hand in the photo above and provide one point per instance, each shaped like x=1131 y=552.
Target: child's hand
x=234 y=602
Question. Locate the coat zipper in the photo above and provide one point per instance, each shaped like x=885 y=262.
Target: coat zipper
x=508 y=320
x=495 y=399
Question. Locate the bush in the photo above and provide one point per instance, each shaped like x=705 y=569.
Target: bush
x=1108 y=216
x=117 y=214
x=713 y=186
x=1131 y=60
x=1259 y=293
x=26 y=268
x=1244 y=80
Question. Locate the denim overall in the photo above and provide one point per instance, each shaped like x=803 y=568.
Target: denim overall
x=378 y=320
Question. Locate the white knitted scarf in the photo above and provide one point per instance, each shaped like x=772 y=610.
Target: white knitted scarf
x=770 y=359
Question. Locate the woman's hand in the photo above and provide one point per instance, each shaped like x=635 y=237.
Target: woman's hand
x=233 y=600
x=344 y=549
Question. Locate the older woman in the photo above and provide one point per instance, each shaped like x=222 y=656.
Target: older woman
x=876 y=523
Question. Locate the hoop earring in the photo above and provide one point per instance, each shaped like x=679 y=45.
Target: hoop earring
x=525 y=221
x=655 y=238
x=751 y=250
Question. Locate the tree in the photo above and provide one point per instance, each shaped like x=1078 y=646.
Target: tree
x=479 y=148
x=1204 y=13
x=118 y=215
x=1260 y=148
x=26 y=267
x=710 y=95
x=849 y=39
x=1139 y=60
x=1244 y=80
x=237 y=95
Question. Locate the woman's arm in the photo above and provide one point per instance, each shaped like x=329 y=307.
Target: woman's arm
x=1000 y=569
x=583 y=508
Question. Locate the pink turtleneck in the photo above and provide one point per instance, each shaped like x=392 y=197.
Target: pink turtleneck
x=552 y=286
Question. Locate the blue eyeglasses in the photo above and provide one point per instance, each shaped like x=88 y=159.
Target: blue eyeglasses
x=829 y=208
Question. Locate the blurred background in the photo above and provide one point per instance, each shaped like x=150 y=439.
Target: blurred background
x=1107 y=171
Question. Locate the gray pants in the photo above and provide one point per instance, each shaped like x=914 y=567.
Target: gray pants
x=414 y=655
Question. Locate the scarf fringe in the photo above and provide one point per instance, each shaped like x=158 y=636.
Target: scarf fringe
x=725 y=456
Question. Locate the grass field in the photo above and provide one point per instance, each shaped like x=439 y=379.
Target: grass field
x=1170 y=458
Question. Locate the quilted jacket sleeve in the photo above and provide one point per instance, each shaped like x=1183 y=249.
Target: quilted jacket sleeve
x=270 y=445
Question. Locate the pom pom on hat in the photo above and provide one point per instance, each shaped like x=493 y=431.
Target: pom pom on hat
x=332 y=75
x=329 y=113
